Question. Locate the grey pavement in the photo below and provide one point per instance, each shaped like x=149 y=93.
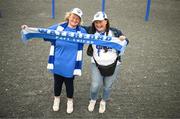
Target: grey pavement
x=149 y=80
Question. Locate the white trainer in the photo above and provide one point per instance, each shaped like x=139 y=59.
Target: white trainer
x=91 y=105
x=102 y=106
x=56 y=104
x=69 y=106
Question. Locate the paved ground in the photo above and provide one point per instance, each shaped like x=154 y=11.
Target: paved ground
x=148 y=86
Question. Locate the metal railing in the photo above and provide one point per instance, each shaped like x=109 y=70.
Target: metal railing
x=146 y=18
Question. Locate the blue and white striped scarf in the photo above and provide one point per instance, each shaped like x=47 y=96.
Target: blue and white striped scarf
x=78 y=64
x=75 y=37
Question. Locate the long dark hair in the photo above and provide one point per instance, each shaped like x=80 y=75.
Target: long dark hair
x=93 y=28
x=93 y=31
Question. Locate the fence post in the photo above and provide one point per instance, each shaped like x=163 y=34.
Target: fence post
x=53 y=9
x=103 y=5
x=147 y=10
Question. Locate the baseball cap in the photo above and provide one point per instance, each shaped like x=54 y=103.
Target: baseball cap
x=77 y=11
x=100 y=16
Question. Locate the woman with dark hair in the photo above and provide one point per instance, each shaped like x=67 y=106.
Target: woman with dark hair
x=104 y=56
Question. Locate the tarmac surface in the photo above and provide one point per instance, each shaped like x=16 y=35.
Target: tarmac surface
x=149 y=83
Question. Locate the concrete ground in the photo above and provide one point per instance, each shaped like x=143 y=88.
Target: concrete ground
x=149 y=83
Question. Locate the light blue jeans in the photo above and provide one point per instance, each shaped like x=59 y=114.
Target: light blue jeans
x=99 y=81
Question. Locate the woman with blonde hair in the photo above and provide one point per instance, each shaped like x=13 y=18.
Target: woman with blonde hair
x=65 y=58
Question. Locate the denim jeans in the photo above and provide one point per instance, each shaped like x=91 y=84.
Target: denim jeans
x=99 y=81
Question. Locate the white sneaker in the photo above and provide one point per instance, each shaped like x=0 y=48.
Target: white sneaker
x=102 y=106
x=56 y=103
x=69 y=106
x=91 y=105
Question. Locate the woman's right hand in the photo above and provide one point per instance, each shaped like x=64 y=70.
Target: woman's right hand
x=24 y=26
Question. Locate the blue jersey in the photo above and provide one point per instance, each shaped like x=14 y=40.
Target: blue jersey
x=65 y=57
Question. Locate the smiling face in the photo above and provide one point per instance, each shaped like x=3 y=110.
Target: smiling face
x=100 y=25
x=74 y=20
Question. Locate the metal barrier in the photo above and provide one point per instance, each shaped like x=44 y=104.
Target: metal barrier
x=53 y=9
x=146 y=18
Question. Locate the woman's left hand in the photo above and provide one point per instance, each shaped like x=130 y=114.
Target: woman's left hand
x=122 y=38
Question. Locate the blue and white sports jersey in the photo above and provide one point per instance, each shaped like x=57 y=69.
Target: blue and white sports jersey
x=65 y=57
